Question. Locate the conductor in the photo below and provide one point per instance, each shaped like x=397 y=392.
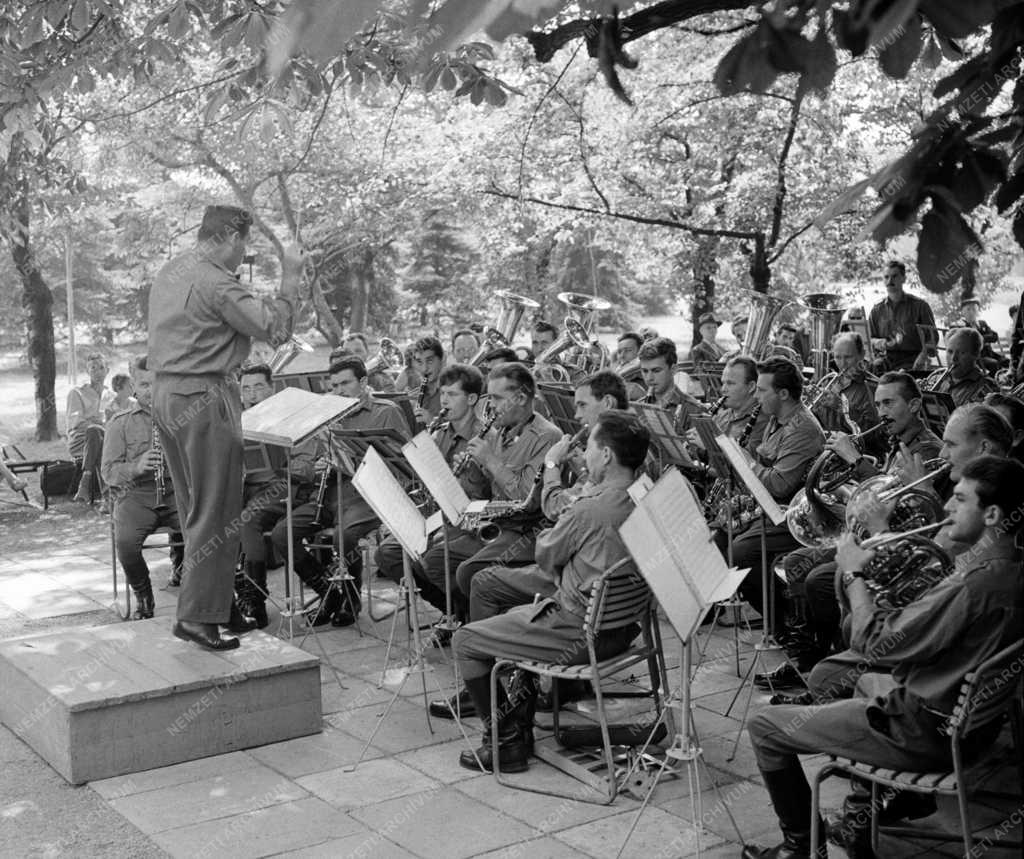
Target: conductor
x=201 y=321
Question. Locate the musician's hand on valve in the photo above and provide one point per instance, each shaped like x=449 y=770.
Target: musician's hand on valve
x=842 y=445
x=871 y=513
x=909 y=466
x=879 y=343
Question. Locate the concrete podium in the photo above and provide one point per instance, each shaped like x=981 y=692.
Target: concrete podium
x=103 y=701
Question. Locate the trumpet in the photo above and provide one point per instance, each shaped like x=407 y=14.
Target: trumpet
x=388 y=357
x=831 y=383
x=286 y=353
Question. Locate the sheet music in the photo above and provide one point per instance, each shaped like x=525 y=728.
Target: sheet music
x=746 y=474
x=291 y=416
x=640 y=487
x=428 y=462
x=378 y=486
x=661 y=423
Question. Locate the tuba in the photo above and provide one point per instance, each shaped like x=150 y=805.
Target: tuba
x=504 y=330
x=760 y=316
x=573 y=336
x=286 y=353
x=388 y=357
x=584 y=309
x=826 y=316
x=591 y=355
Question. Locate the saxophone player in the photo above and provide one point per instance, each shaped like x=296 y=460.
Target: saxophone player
x=133 y=467
x=931 y=644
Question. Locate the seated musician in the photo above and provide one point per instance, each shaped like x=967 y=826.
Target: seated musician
x=355 y=518
x=657 y=363
x=792 y=441
x=738 y=404
x=497 y=357
x=582 y=545
x=973 y=430
x=542 y=335
x=428 y=359
x=461 y=386
x=708 y=350
x=990 y=359
x=627 y=364
x=810 y=571
x=1011 y=408
x=931 y=644
x=964 y=380
x=510 y=456
x=141 y=486
x=85 y=427
x=354 y=343
x=121 y=396
x=847 y=404
x=465 y=344
x=264 y=495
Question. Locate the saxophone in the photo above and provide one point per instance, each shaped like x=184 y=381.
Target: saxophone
x=716 y=502
x=160 y=470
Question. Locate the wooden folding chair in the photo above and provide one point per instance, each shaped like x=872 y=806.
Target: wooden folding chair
x=986 y=695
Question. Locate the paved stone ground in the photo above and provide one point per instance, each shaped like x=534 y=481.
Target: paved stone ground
x=408 y=797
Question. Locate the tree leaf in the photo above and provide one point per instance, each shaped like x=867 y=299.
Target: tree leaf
x=745 y=67
x=81 y=15
x=956 y=18
x=897 y=58
x=1010 y=191
x=821 y=64
x=319 y=28
x=179 y=23
x=944 y=248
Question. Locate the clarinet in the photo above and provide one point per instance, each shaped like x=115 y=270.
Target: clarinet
x=160 y=470
x=422 y=396
x=650 y=398
x=437 y=422
x=716 y=407
x=748 y=428
x=489 y=420
x=321 y=496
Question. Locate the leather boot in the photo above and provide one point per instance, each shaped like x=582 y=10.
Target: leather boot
x=330 y=598
x=461 y=703
x=791 y=797
x=513 y=749
x=84 y=493
x=239 y=621
x=144 y=601
x=253 y=594
x=522 y=694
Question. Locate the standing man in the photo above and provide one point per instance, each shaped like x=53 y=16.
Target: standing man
x=708 y=351
x=143 y=494
x=85 y=427
x=201 y=321
x=894 y=320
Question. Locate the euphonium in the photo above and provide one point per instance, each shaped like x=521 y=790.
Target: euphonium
x=760 y=316
x=905 y=566
x=504 y=330
x=573 y=335
x=388 y=357
x=286 y=352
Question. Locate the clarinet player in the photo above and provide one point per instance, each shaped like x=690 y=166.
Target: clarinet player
x=133 y=467
x=201 y=324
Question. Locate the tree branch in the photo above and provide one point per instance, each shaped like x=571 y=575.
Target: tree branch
x=782 y=248
x=584 y=160
x=780 y=182
x=656 y=17
x=625 y=216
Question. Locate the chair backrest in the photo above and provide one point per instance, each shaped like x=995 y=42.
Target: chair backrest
x=619 y=598
x=988 y=689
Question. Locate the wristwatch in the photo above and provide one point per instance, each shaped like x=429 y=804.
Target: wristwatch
x=850 y=575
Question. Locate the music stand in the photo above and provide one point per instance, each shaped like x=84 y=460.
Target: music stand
x=382 y=491
x=937 y=407
x=672 y=546
x=661 y=423
x=314 y=382
x=287 y=419
x=561 y=403
x=769 y=510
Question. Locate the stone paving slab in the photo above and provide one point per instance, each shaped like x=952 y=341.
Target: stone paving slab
x=364 y=845
x=373 y=781
x=303 y=756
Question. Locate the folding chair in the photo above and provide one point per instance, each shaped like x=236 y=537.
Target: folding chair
x=122 y=592
x=619 y=598
x=986 y=695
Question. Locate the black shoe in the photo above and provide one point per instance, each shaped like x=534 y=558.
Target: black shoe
x=203 y=634
x=852 y=833
x=801 y=699
x=144 y=600
x=461 y=704
x=783 y=677
x=514 y=755
x=239 y=622
x=906 y=805
x=325 y=610
x=174 y=579
x=785 y=850
x=258 y=612
x=442 y=637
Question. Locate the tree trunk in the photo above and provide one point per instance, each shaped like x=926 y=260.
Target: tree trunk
x=363 y=271
x=705 y=266
x=760 y=270
x=37 y=301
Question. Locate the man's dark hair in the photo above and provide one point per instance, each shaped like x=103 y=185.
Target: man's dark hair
x=895 y=263
x=606 y=382
x=542 y=326
x=998 y=400
x=504 y=352
x=787 y=326
x=659 y=347
x=349 y=362
x=356 y=335
x=906 y=384
x=631 y=335
x=141 y=363
x=119 y=381
x=429 y=344
x=339 y=352
x=786 y=376
x=986 y=422
x=465 y=332
x=219 y=222
x=468 y=377
x=516 y=373
x=625 y=434
x=748 y=364
x=260 y=370
x=1000 y=482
